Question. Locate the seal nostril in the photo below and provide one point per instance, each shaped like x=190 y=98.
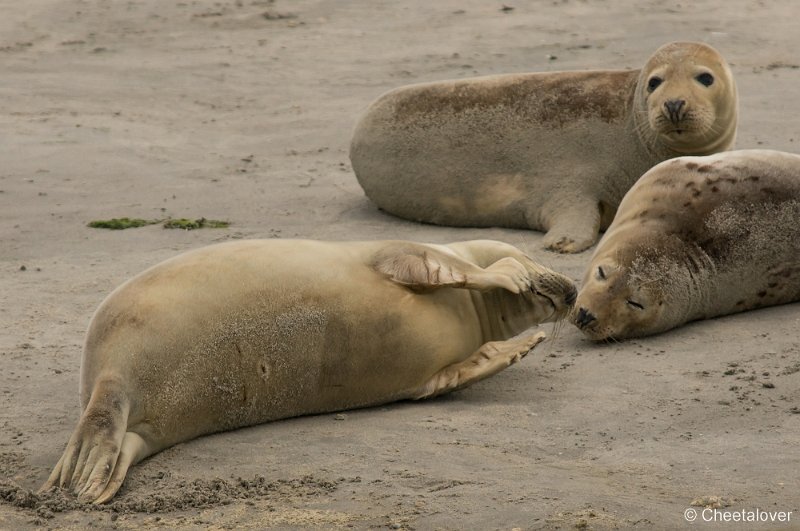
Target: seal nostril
x=673 y=108
x=584 y=317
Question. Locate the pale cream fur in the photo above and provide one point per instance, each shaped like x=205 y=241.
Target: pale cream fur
x=251 y=331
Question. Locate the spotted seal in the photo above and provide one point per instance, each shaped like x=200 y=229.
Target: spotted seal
x=695 y=238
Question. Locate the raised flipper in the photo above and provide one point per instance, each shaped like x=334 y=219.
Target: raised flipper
x=488 y=360
x=425 y=268
x=101 y=449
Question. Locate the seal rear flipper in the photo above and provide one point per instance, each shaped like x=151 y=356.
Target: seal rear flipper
x=100 y=448
x=134 y=449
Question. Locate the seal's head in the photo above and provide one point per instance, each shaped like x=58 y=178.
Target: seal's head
x=637 y=284
x=552 y=295
x=613 y=305
x=686 y=100
x=546 y=297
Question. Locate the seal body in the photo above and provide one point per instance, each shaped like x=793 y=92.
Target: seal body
x=695 y=238
x=554 y=152
x=247 y=332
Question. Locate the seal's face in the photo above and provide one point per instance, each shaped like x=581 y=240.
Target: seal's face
x=552 y=295
x=547 y=298
x=612 y=304
x=690 y=98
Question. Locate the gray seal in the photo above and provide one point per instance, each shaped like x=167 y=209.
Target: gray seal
x=553 y=152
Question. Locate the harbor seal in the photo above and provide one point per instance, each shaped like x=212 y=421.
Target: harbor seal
x=546 y=151
x=247 y=332
x=695 y=238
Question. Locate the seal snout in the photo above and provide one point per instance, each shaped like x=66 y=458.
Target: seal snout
x=675 y=110
x=584 y=318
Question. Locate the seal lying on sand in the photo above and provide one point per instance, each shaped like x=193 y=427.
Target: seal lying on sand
x=247 y=332
x=546 y=151
x=695 y=238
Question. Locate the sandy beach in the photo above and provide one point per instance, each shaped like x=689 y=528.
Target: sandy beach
x=243 y=111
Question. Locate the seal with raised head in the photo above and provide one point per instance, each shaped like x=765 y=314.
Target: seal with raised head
x=554 y=151
x=695 y=238
x=247 y=332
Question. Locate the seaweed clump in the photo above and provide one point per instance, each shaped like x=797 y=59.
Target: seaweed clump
x=169 y=223
x=191 y=224
x=122 y=223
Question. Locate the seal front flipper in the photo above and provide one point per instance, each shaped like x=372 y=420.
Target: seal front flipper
x=488 y=360
x=574 y=227
x=425 y=268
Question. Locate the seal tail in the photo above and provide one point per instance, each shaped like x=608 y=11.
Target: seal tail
x=101 y=449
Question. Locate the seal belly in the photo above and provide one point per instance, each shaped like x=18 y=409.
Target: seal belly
x=302 y=358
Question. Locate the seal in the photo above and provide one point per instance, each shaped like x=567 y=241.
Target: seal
x=553 y=152
x=695 y=238
x=247 y=332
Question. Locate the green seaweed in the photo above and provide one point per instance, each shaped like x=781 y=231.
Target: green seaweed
x=182 y=223
x=122 y=223
x=191 y=224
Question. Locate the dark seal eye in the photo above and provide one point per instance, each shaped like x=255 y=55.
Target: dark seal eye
x=635 y=304
x=705 y=79
x=653 y=83
x=601 y=273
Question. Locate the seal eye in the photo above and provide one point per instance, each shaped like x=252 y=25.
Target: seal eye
x=653 y=83
x=705 y=79
x=635 y=304
x=600 y=273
